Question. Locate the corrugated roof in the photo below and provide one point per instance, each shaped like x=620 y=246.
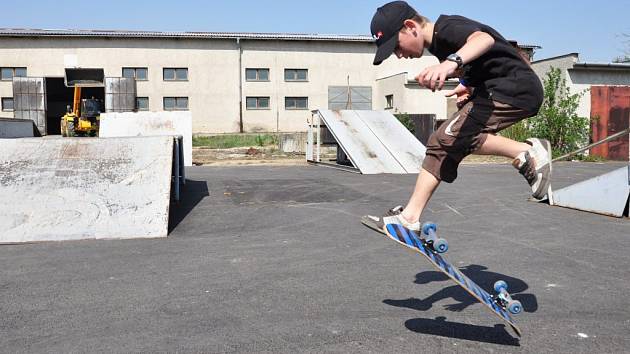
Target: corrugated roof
x=622 y=66
x=21 y=32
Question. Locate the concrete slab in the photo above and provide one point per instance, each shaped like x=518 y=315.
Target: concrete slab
x=78 y=188
x=274 y=259
x=121 y=124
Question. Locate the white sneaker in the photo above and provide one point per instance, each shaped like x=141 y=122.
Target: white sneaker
x=392 y=216
x=535 y=165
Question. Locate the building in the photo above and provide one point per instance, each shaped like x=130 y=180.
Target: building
x=606 y=98
x=230 y=82
x=580 y=76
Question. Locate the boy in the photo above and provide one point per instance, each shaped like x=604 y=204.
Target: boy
x=497 y=89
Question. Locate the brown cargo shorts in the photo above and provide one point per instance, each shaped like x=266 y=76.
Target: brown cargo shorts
x=465 y=132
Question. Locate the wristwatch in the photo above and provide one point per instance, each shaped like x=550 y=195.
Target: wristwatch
x=456 y=59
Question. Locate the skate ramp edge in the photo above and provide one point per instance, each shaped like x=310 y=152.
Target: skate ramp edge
x=77 y=188
x=375 y=141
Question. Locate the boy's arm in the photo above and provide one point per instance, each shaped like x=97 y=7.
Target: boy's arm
x=476 y=45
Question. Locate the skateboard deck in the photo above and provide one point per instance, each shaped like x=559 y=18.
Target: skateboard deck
x=413 y=241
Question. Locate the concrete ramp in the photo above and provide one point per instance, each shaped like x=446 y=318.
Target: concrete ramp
x=374 y=141
x=80 y=188
x=149 y=124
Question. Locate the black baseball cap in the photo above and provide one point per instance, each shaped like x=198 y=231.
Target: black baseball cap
x=387 y=22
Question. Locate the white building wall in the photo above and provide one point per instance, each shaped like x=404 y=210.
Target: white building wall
x=392 y=85
x=210 y=66
x=580 y=79
x=564 y=63
x=213 y=71
x=328 y=64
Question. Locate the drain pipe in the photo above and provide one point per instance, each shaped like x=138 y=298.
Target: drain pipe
x=240 y=83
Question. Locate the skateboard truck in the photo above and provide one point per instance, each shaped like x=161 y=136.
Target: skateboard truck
x=504 y=299
x=429 y=233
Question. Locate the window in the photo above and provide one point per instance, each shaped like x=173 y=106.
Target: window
x=389 y=104
x=7 y=104
x=140 y=74
x=257 y=102
x=175 y=103
x=257 y=74
x=8 y=73
x=176 y=74
x=295 y=103
x=142 y=103
x=295 y=75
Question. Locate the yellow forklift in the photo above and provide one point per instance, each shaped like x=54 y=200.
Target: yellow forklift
x=82 y=118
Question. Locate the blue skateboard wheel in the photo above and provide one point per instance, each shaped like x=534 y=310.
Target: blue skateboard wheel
x=440 y=245
x=514 y=306
x=500 y=285
x=427 y=226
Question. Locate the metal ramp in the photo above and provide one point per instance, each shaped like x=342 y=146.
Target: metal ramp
x=607 y=194
x=55 y=189
x=374 y=141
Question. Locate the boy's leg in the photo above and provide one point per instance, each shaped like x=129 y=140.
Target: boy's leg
x=471 y=130
x=501 y=146
x=426 y=184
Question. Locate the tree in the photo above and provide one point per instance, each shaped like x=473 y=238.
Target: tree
x=557 y=120
x=626 y=57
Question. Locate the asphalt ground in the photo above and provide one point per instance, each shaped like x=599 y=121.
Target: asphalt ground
x=274 y=259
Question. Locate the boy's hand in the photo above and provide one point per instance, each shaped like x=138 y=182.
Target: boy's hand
x=434 y=76
x=462 y=92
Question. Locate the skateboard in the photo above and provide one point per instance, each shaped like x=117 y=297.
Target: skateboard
x=433 y=247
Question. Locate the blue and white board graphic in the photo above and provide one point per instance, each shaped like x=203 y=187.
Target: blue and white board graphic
x=411 y=239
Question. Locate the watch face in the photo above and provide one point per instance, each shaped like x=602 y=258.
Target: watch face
x=455 y=58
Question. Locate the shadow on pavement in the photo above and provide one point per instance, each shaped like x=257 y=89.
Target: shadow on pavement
x=192 y=194
x=480 y=275
x=440 y=327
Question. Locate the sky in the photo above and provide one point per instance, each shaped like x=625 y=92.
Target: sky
x=594 y=29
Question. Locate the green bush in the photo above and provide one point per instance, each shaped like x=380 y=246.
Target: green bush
x=519 y=131
x=407 y=122
x=557 y=120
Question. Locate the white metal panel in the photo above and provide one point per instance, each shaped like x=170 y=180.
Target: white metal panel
x=363 y=148
x=76 y=188
x=29 y=100
x=120 y=94
x=147 y=124
x=397 y=139
x=349 y=97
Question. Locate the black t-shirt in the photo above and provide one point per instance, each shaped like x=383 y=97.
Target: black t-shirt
x=501 y=72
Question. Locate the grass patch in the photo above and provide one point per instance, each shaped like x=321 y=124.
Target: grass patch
x=234 y=140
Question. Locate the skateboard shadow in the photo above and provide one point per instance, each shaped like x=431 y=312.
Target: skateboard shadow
x=440 y=327
x=191 y=195
x=478 y=274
